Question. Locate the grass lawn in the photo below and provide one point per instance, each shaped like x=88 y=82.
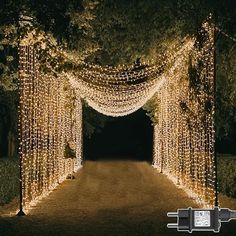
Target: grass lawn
x=9 y=179
x=227 y=174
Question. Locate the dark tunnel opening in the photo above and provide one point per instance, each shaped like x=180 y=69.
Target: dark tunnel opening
x=129 y=137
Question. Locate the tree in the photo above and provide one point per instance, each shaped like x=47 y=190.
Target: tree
x=68 y=23
x=226 y=95
x=109 y=32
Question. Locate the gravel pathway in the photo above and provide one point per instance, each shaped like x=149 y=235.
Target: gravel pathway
x=107 y=198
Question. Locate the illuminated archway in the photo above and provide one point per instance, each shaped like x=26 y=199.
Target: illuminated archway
x=181 y=87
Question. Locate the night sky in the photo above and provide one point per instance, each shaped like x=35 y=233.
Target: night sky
x=128 y=137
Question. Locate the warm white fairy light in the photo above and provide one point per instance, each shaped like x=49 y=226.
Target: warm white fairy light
x=185 y=151
x=51 y=115
x=45 y=128
x=119 y=94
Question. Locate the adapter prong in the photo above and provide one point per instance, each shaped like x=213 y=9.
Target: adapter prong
x=172 y=226
x=172 y=214
x=233 y=215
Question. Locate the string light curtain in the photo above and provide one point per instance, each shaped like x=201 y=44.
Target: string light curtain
x=183 y=86
x=49 y=119
x=118 y=92
x=184 y=132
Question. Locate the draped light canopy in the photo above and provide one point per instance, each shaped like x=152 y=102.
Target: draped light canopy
x=119 y=92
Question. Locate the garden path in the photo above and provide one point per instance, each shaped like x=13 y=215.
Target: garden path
x=107 y=198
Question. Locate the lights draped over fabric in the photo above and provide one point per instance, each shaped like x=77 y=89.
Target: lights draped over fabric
x=50 y=114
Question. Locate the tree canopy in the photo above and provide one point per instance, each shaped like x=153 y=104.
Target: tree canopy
x=109 y=32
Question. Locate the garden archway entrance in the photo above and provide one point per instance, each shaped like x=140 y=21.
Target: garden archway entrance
x=178 y=93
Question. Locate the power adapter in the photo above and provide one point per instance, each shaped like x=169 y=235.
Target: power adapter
x=201 y=219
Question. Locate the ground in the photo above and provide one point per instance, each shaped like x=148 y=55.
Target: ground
x=108 y=198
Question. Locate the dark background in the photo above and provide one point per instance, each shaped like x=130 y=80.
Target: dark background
x=128 y=137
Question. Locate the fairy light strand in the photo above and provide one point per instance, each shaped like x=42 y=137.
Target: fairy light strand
x=184 y=133
x=51 y=115
x=45 y=128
